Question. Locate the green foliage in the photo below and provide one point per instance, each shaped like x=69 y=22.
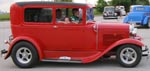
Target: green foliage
x=100 y=5
x=4 y=17
x=127 y=3
x=96 y=12
x=142 y=2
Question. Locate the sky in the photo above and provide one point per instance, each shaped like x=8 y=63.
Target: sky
x=5 y=4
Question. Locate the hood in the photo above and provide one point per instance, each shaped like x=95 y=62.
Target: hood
x=112 y=32
x=113 y=26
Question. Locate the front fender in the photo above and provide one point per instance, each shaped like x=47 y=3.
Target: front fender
x=114 y=45
x=146 y=20
x=128 y=41
x=123 y=42
x=23 y=38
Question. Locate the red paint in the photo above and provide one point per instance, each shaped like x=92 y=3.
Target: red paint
x=78 y=41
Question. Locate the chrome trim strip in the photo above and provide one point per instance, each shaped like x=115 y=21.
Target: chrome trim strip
x=63 y=61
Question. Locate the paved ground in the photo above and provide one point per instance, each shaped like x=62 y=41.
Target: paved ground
x=100 y=65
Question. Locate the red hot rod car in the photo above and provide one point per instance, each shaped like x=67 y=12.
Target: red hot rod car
x=64 y=32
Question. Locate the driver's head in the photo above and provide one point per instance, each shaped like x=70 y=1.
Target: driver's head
x=58 y=12
x=75 y=11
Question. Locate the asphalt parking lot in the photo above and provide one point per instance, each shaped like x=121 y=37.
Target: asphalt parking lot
x=100 y=65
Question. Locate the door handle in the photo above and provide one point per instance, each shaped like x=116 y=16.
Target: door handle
x=55 y=27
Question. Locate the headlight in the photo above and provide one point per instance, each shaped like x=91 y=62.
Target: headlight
x=105 y=14
x=115 y=14
x=133 y=30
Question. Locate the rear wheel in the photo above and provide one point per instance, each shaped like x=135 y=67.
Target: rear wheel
x=24 y=55
x=129 y=55
x=148 y=24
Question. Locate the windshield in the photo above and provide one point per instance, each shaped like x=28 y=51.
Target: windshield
x=109 y=9
x=90 y=14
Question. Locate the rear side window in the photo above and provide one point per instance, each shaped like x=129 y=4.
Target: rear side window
x=140 y=8
x=38 y=15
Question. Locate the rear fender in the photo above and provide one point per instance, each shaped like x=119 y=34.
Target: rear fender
x=114 y=45
x=28 y=39
x=146 y=20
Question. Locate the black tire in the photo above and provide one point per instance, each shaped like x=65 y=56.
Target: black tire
x=104 y=18
x=32 y=54
x=106 y=56
x=137 y=55
x=148 y=23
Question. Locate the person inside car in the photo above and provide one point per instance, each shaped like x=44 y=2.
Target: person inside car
x=67 y=20
x=59 y=15
x=75 y=17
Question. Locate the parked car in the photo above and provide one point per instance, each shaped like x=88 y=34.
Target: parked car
x=140 y=15
x=109 y=12
x=37 y=35
x=122 y=10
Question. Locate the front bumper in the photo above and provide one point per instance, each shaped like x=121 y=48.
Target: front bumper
x=145 y=51
x=4 y=51
x=110 y=17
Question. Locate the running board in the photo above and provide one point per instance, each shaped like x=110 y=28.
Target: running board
x=61 y=60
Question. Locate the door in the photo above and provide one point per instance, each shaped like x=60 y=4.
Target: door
x=68 y=37
x=72 y=35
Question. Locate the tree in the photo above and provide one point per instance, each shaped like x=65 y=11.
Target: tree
x=125 y=3
x=133 y=2
x=100 y=5
x=142 y=2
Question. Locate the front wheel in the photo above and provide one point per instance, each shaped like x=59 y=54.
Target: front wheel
x=129 y=55
x=24 y=55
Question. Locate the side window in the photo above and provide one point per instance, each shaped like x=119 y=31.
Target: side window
x=38 y=15
x=69 y=15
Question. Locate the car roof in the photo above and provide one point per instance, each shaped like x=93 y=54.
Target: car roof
x=142 y=8
x=48 y=3
x=109 y=7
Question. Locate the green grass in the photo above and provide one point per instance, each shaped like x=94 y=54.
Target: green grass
x=4 y=17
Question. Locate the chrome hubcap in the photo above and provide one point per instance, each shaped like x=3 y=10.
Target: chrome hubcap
x=24 y=55
x=128 y=55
